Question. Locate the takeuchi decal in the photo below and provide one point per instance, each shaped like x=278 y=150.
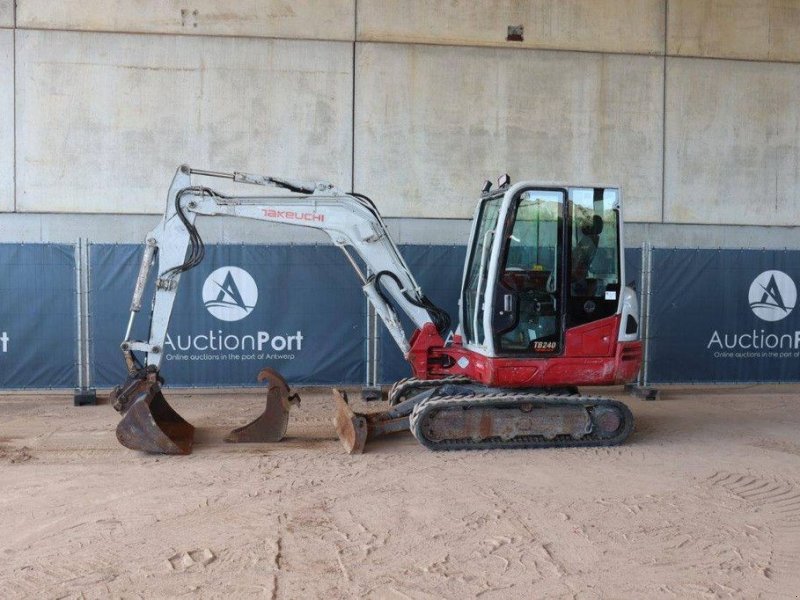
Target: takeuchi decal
x=291 y=215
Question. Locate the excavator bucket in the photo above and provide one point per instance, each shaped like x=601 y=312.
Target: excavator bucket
x=270 y=426
x=149 y=423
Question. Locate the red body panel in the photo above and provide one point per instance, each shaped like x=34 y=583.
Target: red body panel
x=592 y=356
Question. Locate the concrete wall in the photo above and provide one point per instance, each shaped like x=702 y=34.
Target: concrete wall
x=6 y=119
x=6 y=13
x=632 y=26
x=461 y=112
x=110 y=96
x=309 y=19
x=139 y=105
x=740 y=122
x=745 y=29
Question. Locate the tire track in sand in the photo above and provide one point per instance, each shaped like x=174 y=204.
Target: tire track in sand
x=778 y=501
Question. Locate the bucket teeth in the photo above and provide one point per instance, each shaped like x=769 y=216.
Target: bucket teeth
x=150 y=424
x=269 y=426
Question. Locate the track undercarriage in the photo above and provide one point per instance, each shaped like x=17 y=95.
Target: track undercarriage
x=468 y=416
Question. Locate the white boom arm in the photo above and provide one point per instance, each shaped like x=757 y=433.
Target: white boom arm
x=351 y=221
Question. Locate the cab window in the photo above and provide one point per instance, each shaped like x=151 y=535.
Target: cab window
x=593 y=289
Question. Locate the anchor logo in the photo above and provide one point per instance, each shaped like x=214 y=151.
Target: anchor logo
x=773 y=295
x=230 y=293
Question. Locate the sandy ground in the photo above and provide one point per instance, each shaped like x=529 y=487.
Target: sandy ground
x=703 y=502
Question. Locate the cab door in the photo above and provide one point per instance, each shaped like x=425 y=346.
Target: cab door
x=477 y=272
x=527 y=308
x=511 y=300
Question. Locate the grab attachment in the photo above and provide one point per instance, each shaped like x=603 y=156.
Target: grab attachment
x=269 y=426
x=148 y=422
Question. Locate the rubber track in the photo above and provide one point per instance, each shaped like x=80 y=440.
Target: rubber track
x=401 y=387
x=425 y=408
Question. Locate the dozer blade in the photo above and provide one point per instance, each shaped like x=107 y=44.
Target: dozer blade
x=269 y=426
x=150 y=424
x=350 y=427
x=354 y=429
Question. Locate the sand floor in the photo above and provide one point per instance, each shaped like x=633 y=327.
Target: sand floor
x=703 y=502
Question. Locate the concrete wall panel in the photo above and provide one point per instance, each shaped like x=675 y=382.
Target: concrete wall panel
x=104 y=119
x=595 y=25
x=732 y=142
x=310 y=19
x=6 y=120
x=432 y=122
x=749 y=29
x=6 y=13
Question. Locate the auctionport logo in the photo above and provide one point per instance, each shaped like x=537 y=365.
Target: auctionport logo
x=772 y=295
x=230 y=294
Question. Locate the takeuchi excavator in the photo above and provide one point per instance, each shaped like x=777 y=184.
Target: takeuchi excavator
x=543 y=311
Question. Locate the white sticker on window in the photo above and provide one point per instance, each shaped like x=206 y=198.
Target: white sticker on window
x=612 y=295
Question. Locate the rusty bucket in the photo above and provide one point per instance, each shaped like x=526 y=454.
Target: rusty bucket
x=269 y=426
x=148 y=422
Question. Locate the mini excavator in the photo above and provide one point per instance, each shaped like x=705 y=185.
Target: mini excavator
x=543 y=310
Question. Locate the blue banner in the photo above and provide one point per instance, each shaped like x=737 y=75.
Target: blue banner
x=633 y=269
x=38 y=316
x=297 y=309
x=724 y=316
x=715 y=315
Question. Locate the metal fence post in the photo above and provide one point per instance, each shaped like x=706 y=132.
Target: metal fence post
x=647 y=283
x=642 y=387
x=371 y=389
x=84 y=393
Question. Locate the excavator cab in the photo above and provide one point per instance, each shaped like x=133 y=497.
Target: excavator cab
x=542 y=260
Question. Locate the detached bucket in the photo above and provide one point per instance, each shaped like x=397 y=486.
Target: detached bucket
x=270 y=426
x=150 y=424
